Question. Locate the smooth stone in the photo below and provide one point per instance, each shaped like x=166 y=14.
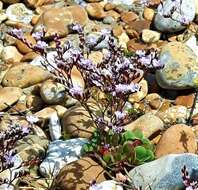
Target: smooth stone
x=78 y=175
x=164 y=24
x=61 y=153
x=185 y=100
x=9 y=96
x=148 y=13
x=35 y=103
x=19 y=13
x=150 y=36
x=181 y=67
x=54 y=126
x=95 y=10
x=192 y=44
x=177 y=139
x=52 y=92
x=3 y=16
x=148 y=123
x=11 y=55
x=37 y=3
x=76 y=122
x=164 y=173
x=56 y=20
x=19 y=75
x=174 y=114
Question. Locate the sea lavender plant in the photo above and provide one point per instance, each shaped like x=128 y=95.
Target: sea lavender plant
x=115 y=77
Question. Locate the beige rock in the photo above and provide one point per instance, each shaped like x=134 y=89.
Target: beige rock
x=3 y=69
x=95 y=10
x=112 y=14
x=48 y=111
x=149 y=124
x=24 y=75
x=123 y=40
x=37 y=3
x=150 y=36
x=128 y=17
x=56 y=20
x=52 y=92
x=96 y=57
x=148 y=13
x=11 y=55
x=138 y=96
x=9 y=96
x=78 y=174
x=177 y=139
x=76 y=122
x=174 y=114
x=109 y=6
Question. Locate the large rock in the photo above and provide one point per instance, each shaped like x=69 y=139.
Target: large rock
x=181 y=67
x=168 y=24
x=24 y=75
x=56 y=20
x=177 y=139
x=76 y=122
x=59 y=154
x=164 y=173
x=9 y=96
x=78 y=175
x=149 y=124
x=19 y=13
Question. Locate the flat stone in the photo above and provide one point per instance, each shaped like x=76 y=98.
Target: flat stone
x=61 y=153
x=164 y=173
x=181 y=67
x=177 y=139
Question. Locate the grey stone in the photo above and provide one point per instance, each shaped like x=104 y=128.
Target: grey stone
x=59 y=154
x=173 y=24
x=164 y=173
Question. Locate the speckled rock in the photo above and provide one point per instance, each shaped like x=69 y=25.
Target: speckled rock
x=8 y=96
x=164 y=173
x=173 y=25
x=19 y=75
x=56 y=20
x=177 y=139
x=150 y=36
x=19 y=13
x=59 y=154
x=181 y=67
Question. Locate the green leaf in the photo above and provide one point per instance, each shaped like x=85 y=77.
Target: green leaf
x=143 y=154
x=138 y=134
x=88 y=148
x=128 y=135
x=107 y=158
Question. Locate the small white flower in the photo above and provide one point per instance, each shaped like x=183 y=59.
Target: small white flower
x=32 y=119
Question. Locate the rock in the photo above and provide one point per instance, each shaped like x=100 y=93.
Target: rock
x=9 y=96
x=177 y=139
x=165 y=173
x=52 y=92
x=186 y=101
x=11 y=55
x=56 y=20
x=31 y=147
x=148 y=123
x=181 y=67
x=19 y=13
x=192 y=44
x=123 y=40
x=54 y=126
x=78 y=174
x=11 y=1
x=108 y=20
x=150 y=36
x=47 y=112
x=109 y=185
x=174 y=114
x=3 y=16
x=95 y=10
x=138 y=96
x=77 y=123
x=117 y=30
x=135 y=44
x=61 y=153
x=96 y=57
x=19 y=75
x=3 y=69
x=35 y=103
x=154 y=100
x=148 y=13
x=139 y=25
x=124 y=3
x=128 y=17
x=37 y=3
x=196 y=5
x=164 y=24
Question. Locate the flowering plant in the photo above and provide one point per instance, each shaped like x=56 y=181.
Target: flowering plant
x=115 y=77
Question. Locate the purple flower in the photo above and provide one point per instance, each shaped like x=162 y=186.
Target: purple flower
x=117 y=129
x=41 y=45
x=76 y=28
x=105 y=31
x=127 y=88
x=146 y=60
x=157 y=63
x=32 y=119
x=120 y=115
x=9 y=158
x=38 y=35
x=76 y=91
x=25 y=130
x=86 y=64
x=91 y=41
x=18 y=33
x=184 y=20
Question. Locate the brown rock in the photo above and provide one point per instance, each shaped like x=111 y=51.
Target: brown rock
x=29 y=57
x=186 y=101
x=95 y=10
x=117 y=30
x=132 y=33
x=135 y=44
x=78 y=175
x=112 y=14
x=148 y=13
x=9 y=96
x=177 y=139
x=140 y=25
x=128 y=17
x=35 y=103
x=154 y=100
x=76 y=122
x=37 y=3
x=56 y=20
x=109 y=6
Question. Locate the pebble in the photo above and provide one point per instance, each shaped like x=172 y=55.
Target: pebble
x=148 y=13
x=59 y=154
x=128 y=17
x=150 y=36
x=186 y=100
x=95 y=10
x=177 y=139
x=181 y=67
